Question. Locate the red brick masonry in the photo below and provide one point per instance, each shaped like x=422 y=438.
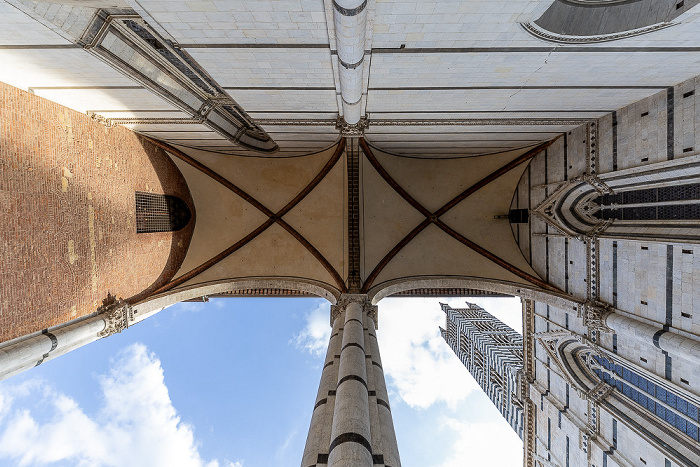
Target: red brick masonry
x=67 y=225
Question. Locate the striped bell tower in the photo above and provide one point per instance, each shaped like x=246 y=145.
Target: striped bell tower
x=351 y=425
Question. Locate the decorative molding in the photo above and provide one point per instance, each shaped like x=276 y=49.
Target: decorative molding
x=594 y=314
x=345 y=299
x=481 y=121
x=117 y=314
x=530 y=435
x=351 y=131
x=296 y=122
x=592 y=271
x=111 y=122
x=592 y=148
x=122 y=39
x=541 y=33
x=428 y=122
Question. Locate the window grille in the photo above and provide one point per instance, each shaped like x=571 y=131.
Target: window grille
x=612 y=206
x=160 y=213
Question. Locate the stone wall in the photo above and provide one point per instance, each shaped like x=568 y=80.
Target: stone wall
x=68 y=231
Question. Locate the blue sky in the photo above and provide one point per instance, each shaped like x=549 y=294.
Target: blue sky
x=232 y=383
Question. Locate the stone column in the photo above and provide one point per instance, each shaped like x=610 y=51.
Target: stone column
x=388 y=450
x=318 y=439
x=113 y=316
x=350 y=19
x=350 y=435
x=665 y=339
x=351 y=425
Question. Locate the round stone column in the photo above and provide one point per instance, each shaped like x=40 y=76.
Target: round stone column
x=350 y=436
x=319 y=435
x=389 y=448
x=664 y=339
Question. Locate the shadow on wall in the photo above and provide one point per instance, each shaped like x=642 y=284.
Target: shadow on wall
x=70 y=234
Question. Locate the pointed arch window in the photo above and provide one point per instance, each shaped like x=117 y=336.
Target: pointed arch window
x=659 y=399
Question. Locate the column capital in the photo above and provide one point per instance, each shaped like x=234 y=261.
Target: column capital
x=117 y=314
x=345 y=299
x=594 y=315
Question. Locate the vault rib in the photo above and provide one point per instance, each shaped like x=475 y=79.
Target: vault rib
x=433 y=218
x=272 y=216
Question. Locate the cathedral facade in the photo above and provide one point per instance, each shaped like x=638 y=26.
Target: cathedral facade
x=156 y=151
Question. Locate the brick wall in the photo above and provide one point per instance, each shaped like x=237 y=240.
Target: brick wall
x=67 y=231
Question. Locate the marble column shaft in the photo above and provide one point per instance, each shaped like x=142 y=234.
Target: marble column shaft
x=351 y=425
x=350 y=436
x=319 y=437
x=665 y=339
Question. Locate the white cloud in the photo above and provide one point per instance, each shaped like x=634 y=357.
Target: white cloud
x=137 y=424
x=317 y=331
x=417 y=361
x=493 y=444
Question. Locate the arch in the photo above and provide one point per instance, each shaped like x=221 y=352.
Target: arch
x=172 y=297
x=388 y=288
x=587 y=206
x=611 y=385
x=587 y=21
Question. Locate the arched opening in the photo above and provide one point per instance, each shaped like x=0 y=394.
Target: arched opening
x=580 y=21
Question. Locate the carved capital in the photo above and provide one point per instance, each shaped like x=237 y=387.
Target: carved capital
x=117 y=314
x=594 y=315
x=356 y=130
x=599 y=392
x=370 y=310
x=599 y=185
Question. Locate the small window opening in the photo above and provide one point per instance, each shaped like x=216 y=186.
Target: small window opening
x=160 y=213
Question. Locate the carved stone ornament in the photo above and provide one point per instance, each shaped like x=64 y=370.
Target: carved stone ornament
x=594 y=315
x=356 y=130
x=547 y=209
x=367 y=307
x=550 y=343
x=117 y=315
x=584 y=440
x=599 y=392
